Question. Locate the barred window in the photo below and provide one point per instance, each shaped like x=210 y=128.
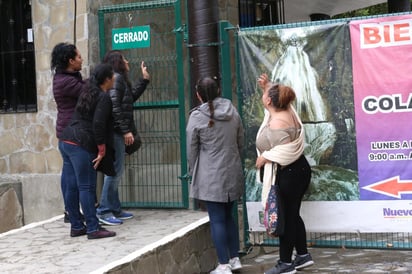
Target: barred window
x=254 y=13
x=17 y=64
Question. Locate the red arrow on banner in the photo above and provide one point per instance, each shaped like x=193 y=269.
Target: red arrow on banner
x=391 y=187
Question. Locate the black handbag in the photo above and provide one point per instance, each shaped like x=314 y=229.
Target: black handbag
x=130 y=149
x=106 y=165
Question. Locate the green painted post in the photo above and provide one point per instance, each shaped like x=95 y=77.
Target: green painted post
x=181 y=96
x=102 y=37
x=225 y=54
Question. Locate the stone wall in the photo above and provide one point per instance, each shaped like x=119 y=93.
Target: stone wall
x=29 y=153
x=192 y=253
x=11 y=209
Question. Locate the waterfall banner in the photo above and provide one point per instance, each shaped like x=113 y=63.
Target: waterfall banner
x=338 y=70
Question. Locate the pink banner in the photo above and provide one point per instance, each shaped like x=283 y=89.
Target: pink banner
x=382 y=82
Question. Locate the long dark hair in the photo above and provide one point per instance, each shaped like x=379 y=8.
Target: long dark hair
x=208 y=90
x=115 y=58
x=88 y=98
x=61 y=55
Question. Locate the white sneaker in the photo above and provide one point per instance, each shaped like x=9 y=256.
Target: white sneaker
x=235 y=263
x=222 y=269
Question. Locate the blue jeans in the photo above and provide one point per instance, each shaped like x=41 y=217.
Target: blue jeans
x=66 y=176
x=224 y=230
x=109 y=200
x=77 y=165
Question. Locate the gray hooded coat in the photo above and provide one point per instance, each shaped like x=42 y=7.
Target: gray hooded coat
x=214 y=152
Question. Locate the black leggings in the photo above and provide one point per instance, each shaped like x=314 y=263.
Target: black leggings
x=293 y=182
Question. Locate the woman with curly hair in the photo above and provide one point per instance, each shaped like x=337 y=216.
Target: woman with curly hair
x=68 y=84
x=87 y=143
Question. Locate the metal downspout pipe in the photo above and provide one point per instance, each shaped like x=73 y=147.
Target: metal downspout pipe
x=203 y=17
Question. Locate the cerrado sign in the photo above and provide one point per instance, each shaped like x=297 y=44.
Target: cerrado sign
x=131 y=38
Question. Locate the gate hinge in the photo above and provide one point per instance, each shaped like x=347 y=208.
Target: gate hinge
x=185 y=177
x=180 y=29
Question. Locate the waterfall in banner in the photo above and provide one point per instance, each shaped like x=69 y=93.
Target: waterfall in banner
x=293 y=69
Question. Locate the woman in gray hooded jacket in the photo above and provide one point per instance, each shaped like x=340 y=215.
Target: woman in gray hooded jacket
x=215 y=137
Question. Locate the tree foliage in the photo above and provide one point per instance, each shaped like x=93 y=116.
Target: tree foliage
x=372 y=10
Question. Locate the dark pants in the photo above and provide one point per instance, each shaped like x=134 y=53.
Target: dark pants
x=293 y=182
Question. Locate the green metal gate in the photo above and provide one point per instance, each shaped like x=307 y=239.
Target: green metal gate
x=153 y=176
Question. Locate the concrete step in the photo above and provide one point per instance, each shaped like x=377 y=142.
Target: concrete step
x=150 y=242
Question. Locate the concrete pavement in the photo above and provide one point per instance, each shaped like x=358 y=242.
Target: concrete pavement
x=46 y=247
x=335 y=260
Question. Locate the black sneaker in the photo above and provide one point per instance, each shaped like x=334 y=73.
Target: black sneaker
x=303 y=261
x=282 y=268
